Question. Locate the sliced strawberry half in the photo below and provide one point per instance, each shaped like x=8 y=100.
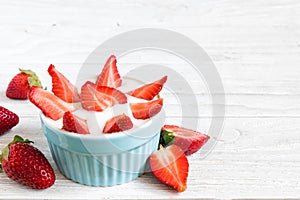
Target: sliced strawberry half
x=117 y=124
x=110 y=76
x=52 y=106
x=188 y=140
x=170 y=166
x=73 y=123
x=150 y=90
x=98 y=98
x=62 y=87
x=146 y=110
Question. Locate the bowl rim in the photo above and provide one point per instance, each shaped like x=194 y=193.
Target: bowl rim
x=103 y=143
x=118 y=135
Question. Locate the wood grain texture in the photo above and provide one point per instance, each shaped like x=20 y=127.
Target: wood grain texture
x=255 y=46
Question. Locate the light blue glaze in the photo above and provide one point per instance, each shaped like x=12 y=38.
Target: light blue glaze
x=103 y=160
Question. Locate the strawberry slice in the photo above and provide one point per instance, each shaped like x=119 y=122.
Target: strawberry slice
x=150 y=90
x=117 y=124
x=73 y=123
x=110 y=76
x=146 y=110
x=52 y=106
x=170 y=166
x=188 y=140
x=98 y=98
x=62 y=87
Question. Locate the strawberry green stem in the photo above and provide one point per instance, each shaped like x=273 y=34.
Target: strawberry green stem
x=34 y=79
x=166 y=138
x=17 y=139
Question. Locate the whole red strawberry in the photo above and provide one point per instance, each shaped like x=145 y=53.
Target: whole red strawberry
x=26 y=165
x=19 y=86
x=8 y=120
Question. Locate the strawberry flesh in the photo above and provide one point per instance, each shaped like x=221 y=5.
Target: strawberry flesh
x=110 y=76
x=146 y=110
x=98 y=98
x=188 y=140
x=117 y=124
x=149 y=91
x=170 y=166
x=51 y=106
x=27 y=165
x=73 y=123
x=62 y=87
x=8 y=120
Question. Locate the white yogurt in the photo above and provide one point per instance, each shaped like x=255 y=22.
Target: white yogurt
x=96 y=120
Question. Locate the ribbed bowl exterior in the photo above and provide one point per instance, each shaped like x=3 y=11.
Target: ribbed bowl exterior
x=103 y=169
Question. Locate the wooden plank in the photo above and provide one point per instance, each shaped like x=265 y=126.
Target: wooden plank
x=237 y=77
x=272 y=161
x=235 y=106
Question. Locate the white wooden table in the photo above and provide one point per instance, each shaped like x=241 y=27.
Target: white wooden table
x=255 y=46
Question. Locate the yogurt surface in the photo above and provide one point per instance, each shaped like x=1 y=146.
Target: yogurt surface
x=96 y=120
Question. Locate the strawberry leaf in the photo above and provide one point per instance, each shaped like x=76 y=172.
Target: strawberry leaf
x=34 y=79
x=17 y=138
x=166 y=138
x=5 y=152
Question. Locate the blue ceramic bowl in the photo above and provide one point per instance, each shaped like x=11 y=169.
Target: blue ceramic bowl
x=103 y=160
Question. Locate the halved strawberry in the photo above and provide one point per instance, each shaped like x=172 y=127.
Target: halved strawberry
x=62 y=87
x=170 y=166
x=52 y=106
x=117 y=124
x=150 y=90
x=99 y=98
x=110 y=76
x=146 y=110
x=73 y=123
x=188 y=140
